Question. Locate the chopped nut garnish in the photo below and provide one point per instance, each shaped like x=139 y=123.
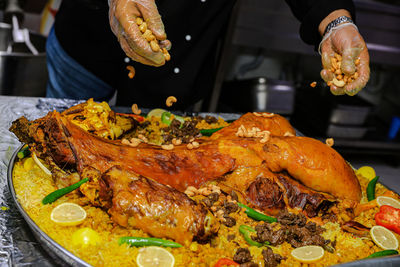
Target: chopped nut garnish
x=170 y=100
x=329 y=142
x=189 y=146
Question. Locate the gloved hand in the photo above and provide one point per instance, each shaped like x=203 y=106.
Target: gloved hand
x=347 y=42
x=122 y=16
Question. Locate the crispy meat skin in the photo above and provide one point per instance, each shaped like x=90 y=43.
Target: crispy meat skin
x=157 y=209
x=314 y=165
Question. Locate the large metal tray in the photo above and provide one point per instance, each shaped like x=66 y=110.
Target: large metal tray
x=64 y=257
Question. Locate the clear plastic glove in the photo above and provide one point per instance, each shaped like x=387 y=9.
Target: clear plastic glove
x=347 y=42
x=122 y=16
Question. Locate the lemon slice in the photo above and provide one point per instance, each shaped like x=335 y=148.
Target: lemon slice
x=85 y=237
x=367 y=172
x=155 y=256
x=157 y=112
x=68 y=214
x=384 y=238
x=308 y=254
x=383 y=200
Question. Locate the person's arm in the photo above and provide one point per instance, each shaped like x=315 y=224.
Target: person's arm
x=123 y=14
x=343 y=39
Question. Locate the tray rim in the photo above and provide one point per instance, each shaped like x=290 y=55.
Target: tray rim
x=68 y=257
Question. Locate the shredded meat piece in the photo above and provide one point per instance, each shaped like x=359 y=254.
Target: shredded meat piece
x=210 y=119
x=184 y=132
x=229 y=221
x=230 y=207
x=242 y=255
x=294 y=229
x=271 y=259
x=286 y=218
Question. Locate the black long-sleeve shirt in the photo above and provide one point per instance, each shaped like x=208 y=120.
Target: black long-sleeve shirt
x=194 y=28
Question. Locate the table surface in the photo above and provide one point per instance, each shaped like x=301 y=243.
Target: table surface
x=18 y=247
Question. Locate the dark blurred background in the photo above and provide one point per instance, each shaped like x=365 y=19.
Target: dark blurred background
x=264 y=66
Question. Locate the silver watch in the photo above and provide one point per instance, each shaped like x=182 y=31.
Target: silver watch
x=336 y=22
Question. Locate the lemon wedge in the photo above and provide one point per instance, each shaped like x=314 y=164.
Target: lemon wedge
x=384 y=238
x=367 y=172
x=85 y=237
x=383 y=200
x=157 y=112
x=308 y=254
x=68 y=214
x=155 y=256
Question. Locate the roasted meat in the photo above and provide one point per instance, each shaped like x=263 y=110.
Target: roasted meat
x=283 y=171
x=157 y=209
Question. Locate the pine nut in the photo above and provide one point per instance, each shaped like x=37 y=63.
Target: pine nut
x=139 y=21
x=143 y=27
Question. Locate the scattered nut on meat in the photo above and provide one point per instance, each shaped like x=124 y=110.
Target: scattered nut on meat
x=329 y=141
x=257 y=114
x=170 y=100
x=288 y=134
x=268 y=115
x=167 y=147
x=136 y=110
x=125 y=141
x=189 y=146
x=176 y=142
x=195 y=144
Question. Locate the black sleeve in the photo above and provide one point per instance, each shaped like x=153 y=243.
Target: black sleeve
x=311 y=12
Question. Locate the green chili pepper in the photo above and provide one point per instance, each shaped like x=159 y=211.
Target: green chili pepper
x=50 y=198
x=209 y=132
x=24 y=152
x=383 y=253
x=166 y=118
x=246 y=231
x=257 y=215
x=371 y=188
x=147 y=241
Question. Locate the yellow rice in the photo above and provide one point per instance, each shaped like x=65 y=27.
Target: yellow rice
x=32 y=184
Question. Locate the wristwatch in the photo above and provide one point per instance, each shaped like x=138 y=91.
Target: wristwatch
x=336 y=22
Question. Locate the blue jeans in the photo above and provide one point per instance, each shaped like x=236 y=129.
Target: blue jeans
x=68 y=79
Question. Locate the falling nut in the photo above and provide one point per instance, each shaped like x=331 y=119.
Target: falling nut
x=313 y=84
x=136 y=110
x=338 y=83
x=170 y=100
x=329 y=142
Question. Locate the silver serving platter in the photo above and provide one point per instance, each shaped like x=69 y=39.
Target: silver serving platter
x=64 y=257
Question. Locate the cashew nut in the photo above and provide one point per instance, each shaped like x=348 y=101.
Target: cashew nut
x=170 y=100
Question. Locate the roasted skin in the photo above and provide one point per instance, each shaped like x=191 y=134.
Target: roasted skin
x=157 y=209
x=315 y=164
x=299 y=172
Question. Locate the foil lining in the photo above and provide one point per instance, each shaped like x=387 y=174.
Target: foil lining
x=18 y=246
